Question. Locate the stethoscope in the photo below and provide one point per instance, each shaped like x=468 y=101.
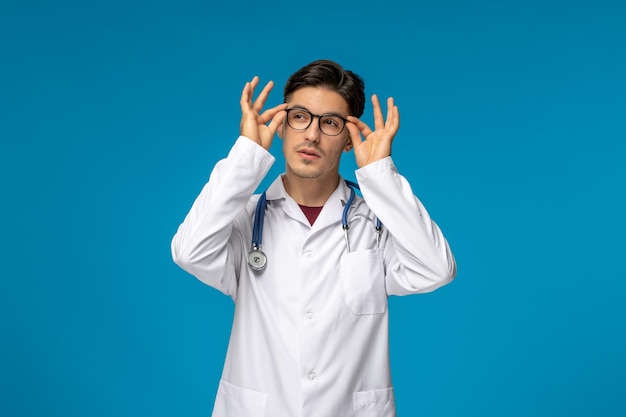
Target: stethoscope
x=257 y=258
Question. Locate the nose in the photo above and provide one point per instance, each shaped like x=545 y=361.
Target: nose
x=313 y=133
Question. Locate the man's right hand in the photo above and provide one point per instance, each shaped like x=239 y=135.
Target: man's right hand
x=254 y=123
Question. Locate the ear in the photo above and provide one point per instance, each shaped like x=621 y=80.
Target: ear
x=281 y=130
x=348 y=146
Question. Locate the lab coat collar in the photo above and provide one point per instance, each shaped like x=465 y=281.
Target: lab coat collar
x=330 y=214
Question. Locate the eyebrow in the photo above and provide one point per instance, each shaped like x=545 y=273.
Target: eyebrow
x=298 y=106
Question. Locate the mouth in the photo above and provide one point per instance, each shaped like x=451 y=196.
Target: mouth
x=307 y=153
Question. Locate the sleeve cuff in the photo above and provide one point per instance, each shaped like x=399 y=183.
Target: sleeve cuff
x=375 y=169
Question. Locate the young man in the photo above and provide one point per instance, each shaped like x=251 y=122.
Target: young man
x=308 y=264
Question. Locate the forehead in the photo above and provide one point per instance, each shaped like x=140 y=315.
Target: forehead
x=318 y=100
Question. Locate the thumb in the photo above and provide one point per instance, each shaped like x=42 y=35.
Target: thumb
x=277 y=121
x=355 y=135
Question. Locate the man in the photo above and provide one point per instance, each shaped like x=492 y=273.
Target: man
x=308 y=264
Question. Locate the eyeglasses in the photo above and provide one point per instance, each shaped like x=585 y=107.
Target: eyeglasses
x=329 y=124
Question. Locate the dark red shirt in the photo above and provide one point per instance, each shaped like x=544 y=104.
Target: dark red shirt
x=311 y=213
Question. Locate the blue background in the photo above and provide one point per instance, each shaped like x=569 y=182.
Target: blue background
x=113 y=113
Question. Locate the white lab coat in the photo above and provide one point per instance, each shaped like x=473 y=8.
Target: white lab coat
x=310 y=332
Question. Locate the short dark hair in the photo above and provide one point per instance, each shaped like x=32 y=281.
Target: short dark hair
x=329 y=74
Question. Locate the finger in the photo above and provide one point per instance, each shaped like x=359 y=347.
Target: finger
x=269 y=114
x=396 y=117
x=391 y=111
x=361 y=125
x=276 y=121
x=254 y=82
x=260 y=101
x=245 y=96
x=248 y=92
x=393 y=116
x=355 y=135
x=379 y=122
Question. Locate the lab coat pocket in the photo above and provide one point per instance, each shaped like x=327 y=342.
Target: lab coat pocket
x=234 y=401
x=363 y=279
x=376 y=403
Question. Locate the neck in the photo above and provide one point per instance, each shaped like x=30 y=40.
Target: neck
x=311 y=192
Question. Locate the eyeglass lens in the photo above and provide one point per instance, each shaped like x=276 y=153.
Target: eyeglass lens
x=300 y=119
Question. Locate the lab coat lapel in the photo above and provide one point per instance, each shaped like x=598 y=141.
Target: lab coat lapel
x=276 y=192
x=330 y=214
x=333 y=209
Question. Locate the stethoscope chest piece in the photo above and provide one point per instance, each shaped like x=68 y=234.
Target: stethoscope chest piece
x=257 y=259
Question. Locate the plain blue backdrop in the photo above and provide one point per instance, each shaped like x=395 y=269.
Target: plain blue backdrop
x=113 y=113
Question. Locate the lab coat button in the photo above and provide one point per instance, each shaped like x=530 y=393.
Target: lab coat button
x=312 y=376
x=308 y=254
x=309 y=316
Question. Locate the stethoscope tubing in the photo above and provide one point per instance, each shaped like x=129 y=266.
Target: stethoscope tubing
x=258 y=260
x=259 y=216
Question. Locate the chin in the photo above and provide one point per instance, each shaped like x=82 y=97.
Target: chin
x=302 y=173
x=302 y=169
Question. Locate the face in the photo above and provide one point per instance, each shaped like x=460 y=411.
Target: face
x=310 y=153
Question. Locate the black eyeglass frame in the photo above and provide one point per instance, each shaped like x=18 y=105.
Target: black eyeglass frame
x=319 y=120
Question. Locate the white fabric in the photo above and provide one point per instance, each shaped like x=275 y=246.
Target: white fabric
x=310 y=332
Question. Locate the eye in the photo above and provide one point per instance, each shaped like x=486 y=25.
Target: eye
x=332 y=121
x=300 y=115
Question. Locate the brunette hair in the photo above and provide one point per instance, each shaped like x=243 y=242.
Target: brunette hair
x=330 y=75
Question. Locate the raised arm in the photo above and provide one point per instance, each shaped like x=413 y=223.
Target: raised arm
x=211 y=240
x=418 y=257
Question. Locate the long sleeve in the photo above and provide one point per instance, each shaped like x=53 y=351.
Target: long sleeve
x=418 y=257
x=208 y=244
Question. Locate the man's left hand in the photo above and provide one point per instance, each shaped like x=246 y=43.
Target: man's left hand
x=377 y=143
